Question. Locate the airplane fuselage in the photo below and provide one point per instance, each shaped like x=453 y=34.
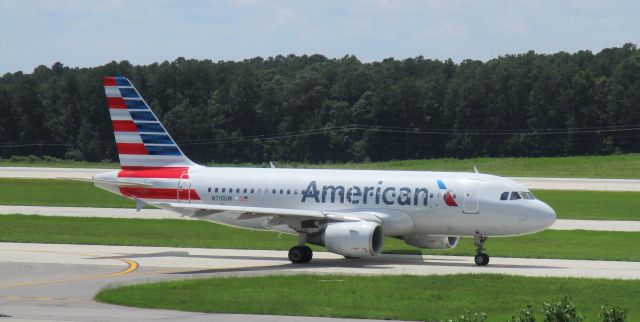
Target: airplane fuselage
x=437 y=203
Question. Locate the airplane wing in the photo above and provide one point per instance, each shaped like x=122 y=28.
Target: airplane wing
x=243 y=212
x=199 y=210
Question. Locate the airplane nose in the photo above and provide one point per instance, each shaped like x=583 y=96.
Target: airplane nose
x=545 y=216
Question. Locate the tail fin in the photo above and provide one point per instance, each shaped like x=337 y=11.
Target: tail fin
x=142 y=141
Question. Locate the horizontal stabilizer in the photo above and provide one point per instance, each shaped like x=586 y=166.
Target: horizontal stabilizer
x=115 y=183
x=122 y=183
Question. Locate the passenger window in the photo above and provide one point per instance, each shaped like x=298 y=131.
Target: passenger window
x=245 y=190
x=504 y=195
x=273 y=191
x=223 y=189
x=251 y=190
x=216 y=190
x=209 y=190
x=515 y=195
x=237 y=190
x=288 y=191
x=281 y=191
x=295 y=192
x=431 y=195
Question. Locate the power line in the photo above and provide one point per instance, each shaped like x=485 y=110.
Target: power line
x=363 y=129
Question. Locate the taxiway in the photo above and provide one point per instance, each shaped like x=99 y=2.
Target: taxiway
x=58 y=282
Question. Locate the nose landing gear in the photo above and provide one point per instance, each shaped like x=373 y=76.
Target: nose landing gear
x=481 y=259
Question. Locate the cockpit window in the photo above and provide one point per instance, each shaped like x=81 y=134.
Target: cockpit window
x=527 y=195
x=504 y=195
x=515 y=195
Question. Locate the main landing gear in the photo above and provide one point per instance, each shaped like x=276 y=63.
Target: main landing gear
x=300 y=254
x=481 y=259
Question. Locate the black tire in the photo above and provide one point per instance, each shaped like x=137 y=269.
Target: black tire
x=300 y=254
x=481 y=259
x=308 y=254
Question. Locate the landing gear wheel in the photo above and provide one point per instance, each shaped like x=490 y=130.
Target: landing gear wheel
x=308 y=254
x=481 y=259
x=300 y=254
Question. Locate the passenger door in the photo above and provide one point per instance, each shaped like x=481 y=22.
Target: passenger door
x=471 y=197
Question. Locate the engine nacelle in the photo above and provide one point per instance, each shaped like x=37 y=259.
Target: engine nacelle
x=432 y=242
x=354 y=239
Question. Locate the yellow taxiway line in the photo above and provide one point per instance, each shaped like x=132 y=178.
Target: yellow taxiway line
x=131 y=266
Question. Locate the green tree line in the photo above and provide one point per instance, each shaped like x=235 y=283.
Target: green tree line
x=317 y=109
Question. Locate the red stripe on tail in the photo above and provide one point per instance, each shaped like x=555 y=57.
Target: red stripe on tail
x=116 y=102
x=108 y=81
x=124 y=126
x=131 y=148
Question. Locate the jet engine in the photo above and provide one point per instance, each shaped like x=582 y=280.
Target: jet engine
x=432 y=242
x=352 y=239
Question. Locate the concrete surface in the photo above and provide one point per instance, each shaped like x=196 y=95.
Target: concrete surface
x=58 y=282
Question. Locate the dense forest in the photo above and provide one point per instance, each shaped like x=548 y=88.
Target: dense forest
x=315 y=109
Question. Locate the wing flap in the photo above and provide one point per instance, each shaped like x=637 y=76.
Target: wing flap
x=249 y=212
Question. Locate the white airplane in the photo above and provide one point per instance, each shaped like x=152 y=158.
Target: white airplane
x=349 y=212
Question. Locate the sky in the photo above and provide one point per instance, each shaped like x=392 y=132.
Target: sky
x=87 y=33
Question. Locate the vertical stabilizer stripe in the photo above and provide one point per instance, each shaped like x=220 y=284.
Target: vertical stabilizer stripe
x=112 y=91
x=116 y=102
x=124 y=126
x=131 y=148
x=108 y=81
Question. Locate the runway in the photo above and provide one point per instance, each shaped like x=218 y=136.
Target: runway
x=529 y=182
x=561 y=224
x=58 y=282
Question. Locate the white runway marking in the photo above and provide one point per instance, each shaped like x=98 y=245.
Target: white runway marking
x=561 y=224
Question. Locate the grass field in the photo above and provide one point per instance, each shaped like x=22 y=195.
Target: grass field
x=56 y=163
x=53 y=192
x=379 y=297
x=596 y=205
x=609 y=166
x=621 y=246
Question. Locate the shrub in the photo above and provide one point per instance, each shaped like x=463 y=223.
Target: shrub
x=525 y=315
x=470 y=317
x=561 y=311
x=613 y=314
